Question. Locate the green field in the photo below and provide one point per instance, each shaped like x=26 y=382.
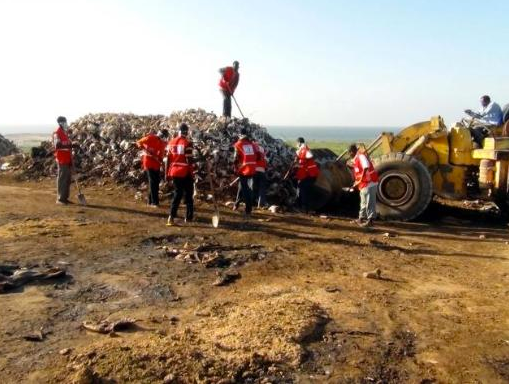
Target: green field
x=336 y=146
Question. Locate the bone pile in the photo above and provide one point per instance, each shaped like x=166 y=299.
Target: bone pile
x=107 y=150
x=7 y=147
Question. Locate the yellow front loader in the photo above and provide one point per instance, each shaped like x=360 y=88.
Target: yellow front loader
x=427 y=159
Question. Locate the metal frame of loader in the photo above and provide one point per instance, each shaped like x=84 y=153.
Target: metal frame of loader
x=426 y=159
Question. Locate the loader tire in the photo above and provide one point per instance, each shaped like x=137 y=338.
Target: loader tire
x=405 y=187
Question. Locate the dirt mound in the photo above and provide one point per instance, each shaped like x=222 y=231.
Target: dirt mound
x=107 y=150
x=7 y=147
x=262 y=339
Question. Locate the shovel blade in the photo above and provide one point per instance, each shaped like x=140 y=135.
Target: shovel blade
x=215 y=220
x=81 y=199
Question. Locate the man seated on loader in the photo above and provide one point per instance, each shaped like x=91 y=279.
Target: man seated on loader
x=485 y=120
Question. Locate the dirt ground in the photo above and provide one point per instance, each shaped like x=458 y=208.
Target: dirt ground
x=299 y=312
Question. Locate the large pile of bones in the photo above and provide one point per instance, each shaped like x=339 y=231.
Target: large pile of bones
x=106 y=149
x=7 y=147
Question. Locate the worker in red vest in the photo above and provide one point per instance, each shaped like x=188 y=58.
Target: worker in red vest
x=180 y=169
x=153 y=147
x=366 y=181
x=63 y=155
x=306 y=173
x=259 y=181
x=260 y=177
x=227 y=85
x=244 y=159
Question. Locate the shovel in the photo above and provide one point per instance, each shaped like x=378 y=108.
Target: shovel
x=80 y=196
x=215 y=216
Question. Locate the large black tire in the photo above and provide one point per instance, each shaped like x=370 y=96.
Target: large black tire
x=405 y=187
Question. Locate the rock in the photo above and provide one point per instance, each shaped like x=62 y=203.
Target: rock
x=274 y=209
x=226 y=278
x=376 y=274
x=169 y=379
x=7 y=147
x=387 y=235
x=65 y=351
x=85 y=375
x=482 y=237
x=332 y=289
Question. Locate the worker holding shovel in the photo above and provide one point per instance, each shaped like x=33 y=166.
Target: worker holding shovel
x=63 y=156
x=227 y=85
x=180 y=169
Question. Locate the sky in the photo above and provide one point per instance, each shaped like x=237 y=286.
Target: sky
x=306 y=63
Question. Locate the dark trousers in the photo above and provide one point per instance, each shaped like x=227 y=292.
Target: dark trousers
x=260 y=188
x=227 y=103
x=245 y=188
x=304 y=188
x=63 y=182
x=479 y=133
x=184 y=186
x=154 y=177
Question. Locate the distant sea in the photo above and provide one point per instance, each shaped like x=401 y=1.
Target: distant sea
x=339 y=134
x=287 y=133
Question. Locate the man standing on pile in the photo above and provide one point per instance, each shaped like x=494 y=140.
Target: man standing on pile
x=227 y=85
x=244 y=160
x=180 y=169
x=306 y=174
x=366 y=181
x=63 y=155
x=153 y=147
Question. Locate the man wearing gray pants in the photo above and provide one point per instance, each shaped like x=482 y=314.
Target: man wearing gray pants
x=63 y=156
x=366 y=180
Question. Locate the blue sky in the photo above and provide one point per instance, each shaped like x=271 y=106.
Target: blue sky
x=352 y=63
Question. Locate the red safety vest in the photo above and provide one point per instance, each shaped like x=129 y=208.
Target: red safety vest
x=261 y=162
x=247 y=156
x=229 y=80
x=153 y=151
x=62 y=155
x=371 y=175
x=306 y=167
x=179 y=165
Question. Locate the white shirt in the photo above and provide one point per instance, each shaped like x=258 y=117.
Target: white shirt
x=491 y=114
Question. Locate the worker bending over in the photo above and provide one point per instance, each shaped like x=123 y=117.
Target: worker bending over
x=180 y=170
x=227 y=85
x=366 y=181
x=153 y=147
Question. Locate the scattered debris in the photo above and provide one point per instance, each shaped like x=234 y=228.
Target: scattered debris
x=65 y=351
x=11 y=278
x=106 y=326
x=36 y=336
x=226 y=278
x=376 y=274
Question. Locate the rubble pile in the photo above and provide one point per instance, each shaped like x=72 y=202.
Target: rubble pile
x=106 y=149
x=7 y=147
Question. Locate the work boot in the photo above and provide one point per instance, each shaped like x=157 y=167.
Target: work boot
x=170 y=222
x=359 y=222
